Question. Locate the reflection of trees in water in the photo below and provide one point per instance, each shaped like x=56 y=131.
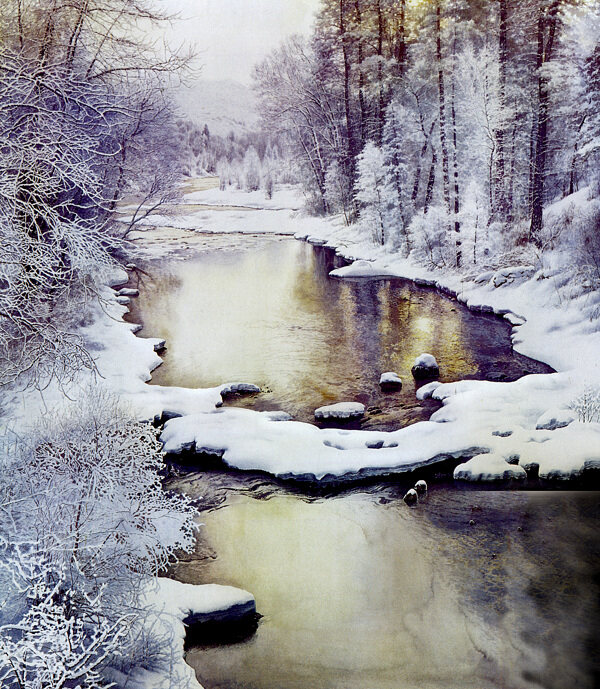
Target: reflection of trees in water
x=266 y=310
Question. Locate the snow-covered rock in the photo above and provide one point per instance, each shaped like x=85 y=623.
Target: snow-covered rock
x=128 y=292
x=425 y=366
x=555 y=418
x=239 y=388
x=123 y=300
x=411 y=497
x=159 y=345
x=421 y=487
x=512 y=274
x=200 y=602
x=425 y=392
x=488 y=467
x=341 y=410
x=390 y=379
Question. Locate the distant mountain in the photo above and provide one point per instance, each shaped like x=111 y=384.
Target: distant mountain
x=222 y=105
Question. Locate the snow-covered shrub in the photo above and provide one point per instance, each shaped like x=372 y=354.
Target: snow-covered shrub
x=84 y=523
x=431 y=240
x=63 y=638
x=587 y=405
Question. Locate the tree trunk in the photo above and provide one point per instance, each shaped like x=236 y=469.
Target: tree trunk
x=350 y=143
x=500 y=208
x=381 y=104
x=361 y=77
x=457 y=238
x=401 y=56
x=430 y=181
x=415 y=191
x=543 y=55
x=442 y=106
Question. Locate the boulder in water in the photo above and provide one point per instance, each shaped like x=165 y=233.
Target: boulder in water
x=342 y=410
x=425 y=366
x=390 y=381
x=411 y=497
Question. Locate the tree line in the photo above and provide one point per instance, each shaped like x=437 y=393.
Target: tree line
x=443 y=126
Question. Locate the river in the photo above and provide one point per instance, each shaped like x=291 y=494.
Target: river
x=473 y=588
x=264 y=310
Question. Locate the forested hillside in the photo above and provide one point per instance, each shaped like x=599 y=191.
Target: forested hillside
x=445 y=127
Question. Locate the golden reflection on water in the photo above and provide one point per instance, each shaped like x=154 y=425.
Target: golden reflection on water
x=267 y=313
x=356 y=593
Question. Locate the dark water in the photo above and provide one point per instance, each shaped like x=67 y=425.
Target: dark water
x=264 y=310
x=358 y=590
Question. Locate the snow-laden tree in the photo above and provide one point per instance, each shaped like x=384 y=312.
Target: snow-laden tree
x=376 y=194
x=251 y=170
x=63 y=638
x=84 y=525
x=82 y=115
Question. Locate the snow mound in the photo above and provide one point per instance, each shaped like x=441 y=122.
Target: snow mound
x=488 y=467
x=427 y=391
x=362 y=269
x=555 y=418
x=341 y=410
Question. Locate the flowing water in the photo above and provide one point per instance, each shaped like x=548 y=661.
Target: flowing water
x=471 y=589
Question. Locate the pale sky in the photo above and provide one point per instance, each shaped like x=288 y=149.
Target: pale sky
x=231 y=35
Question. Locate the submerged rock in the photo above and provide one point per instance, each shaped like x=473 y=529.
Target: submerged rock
x=425 y=366
x=390 y=380
x=341 y=410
